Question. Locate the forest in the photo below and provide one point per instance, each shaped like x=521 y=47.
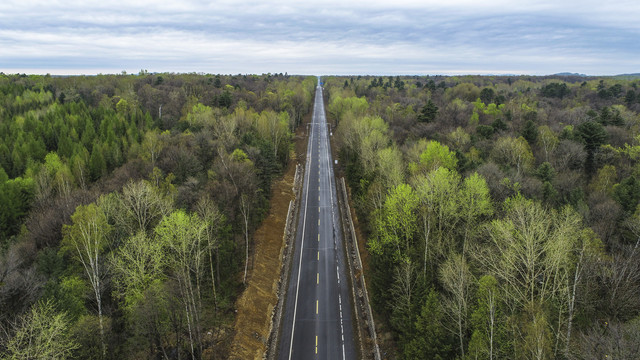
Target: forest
x=501 y=212
x=127 y=207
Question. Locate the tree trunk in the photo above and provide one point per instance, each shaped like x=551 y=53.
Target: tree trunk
x=572 y=301
x=491 y=326
x=427 y=226
x=104 y=347
x=244 y=208
x=246 y=245
x=213 y=282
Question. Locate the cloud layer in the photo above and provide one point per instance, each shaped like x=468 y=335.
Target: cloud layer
x=312 y=37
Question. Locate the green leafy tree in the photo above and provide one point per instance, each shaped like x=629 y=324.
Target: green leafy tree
x=475 y=205
x=513 y=152
x=486 y=321
x=437 y=155
x=86 y=240
x=136 y=265
x=439 y=199
x=42 y=333
x=456 y=278
x=141 y=206
x=547 y=139
x=530 y=253
x=398 y=222
x=69 y=296
x=182 y=237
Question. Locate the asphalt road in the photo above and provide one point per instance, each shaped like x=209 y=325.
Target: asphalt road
x=317 y=317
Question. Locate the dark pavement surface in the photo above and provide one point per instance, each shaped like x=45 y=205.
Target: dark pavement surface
x=317 y=316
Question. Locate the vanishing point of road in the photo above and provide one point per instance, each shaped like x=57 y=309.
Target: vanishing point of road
x=317 y=316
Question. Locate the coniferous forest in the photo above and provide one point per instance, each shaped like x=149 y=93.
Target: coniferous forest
x=501 y=213
x=127 y=206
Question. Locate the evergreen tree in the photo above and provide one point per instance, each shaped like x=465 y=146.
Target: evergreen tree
x=530 y=132
x=431 y=340
x=97 y=163
x=429 y=112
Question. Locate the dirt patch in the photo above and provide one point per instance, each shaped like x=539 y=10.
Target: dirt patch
x=255 y=305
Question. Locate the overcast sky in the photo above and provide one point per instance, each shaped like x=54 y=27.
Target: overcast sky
x=320 y=37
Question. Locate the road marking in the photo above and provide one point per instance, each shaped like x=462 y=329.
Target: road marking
x=317 y=278
x=318 y=225
x=316 y=307
x=318 y=233
x=316 y=344
x=304 y=224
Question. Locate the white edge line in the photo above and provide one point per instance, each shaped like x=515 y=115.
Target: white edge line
x=304 y=223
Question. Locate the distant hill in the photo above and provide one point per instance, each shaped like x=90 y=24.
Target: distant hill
x=628 y=76
x=570 y=74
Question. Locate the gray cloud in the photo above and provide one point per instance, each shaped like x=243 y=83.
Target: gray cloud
x=337 y=37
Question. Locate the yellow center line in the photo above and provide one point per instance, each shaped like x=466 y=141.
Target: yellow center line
x=318 y=234
x=317 y=278
x=316 y=344
x=316 y=306
x=318 y=255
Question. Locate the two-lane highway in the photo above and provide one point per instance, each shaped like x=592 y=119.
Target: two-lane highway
x=317 y=318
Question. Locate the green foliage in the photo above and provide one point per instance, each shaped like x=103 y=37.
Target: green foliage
x=627 y=193
x=15 y=197
x=513 y=152
x=437 y=155
x=530 y=132
x=42 y=333
x=546 y=172
x=137 y=265
x=630 y=97
x=487 y=95
x=475 y=119
x=499 y=125
x=488 y=338
x=592 y=134
x=431 y=340
x=397 y=222
x=557 y=90
x=428 y=112
x=68 y=296
x=485 y=131
x=340 y=106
